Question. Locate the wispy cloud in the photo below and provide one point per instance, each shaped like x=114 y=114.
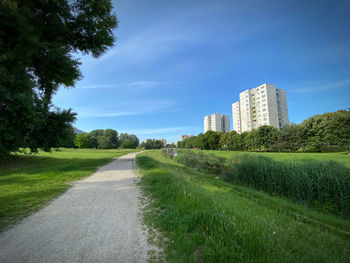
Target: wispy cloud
x=135 y=84
x=328 y=86
x=128 y=108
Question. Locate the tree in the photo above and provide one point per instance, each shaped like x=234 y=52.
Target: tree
x=266 y=137
x=128 y=144
x=82 y=140
x=152 y=144
x=93 y=137
x=38 y=40
x=109 y=140
x=251 y=141
x=337 y=129
x=211 y=140
x=129 y=137
x=230 y=141
x=67 y=141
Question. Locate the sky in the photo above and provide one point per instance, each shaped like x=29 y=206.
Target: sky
x=174 y=62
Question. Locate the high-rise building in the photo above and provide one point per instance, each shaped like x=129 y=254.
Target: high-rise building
x=217 y=122
x=264 y=105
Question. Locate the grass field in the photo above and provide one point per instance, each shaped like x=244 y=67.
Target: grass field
x=342 y=157
x=29 y=181
x=204 y=219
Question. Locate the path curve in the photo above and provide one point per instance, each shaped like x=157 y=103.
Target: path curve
x=96 y=220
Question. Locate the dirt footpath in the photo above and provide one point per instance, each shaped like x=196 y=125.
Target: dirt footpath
x=94 y=221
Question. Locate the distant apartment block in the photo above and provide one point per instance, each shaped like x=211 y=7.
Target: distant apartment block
x=264 y=105
x=184 y=137
x=164 y=142
x=217 y=122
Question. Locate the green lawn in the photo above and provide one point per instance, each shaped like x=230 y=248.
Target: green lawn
x=204 y=219
x=29 y=181
x=342 y=157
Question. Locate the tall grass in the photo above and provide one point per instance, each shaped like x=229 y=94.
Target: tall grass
x=323 y=185
x=202 y=219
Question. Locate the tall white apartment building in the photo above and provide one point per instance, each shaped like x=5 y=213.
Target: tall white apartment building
x=264 y=105
x=217 y=122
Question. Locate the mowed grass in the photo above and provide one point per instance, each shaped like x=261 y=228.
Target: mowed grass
x=204 y=219
x=27 y=182
x=342 y=157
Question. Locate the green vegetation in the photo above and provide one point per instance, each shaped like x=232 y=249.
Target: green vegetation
x=204 y=219
x=106 y=139
x=323 y=185
x=320 y=133
x=341 y=157
x=45 y=37
x=82 y=140
x=152 y=144
x=27 y=182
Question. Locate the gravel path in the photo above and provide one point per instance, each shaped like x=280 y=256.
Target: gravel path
x=94 y=221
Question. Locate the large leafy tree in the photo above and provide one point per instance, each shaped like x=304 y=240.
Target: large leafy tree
x=129 y=140
x=266 y=137
x=38 y=43
x=82 y=140
x=109 y=140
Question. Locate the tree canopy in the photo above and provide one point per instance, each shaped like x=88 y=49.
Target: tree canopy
x=318 y=133
x=39 y=41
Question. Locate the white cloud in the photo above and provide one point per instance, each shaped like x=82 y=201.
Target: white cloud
x=135 y=84
x=127 y=108
x=314 y=88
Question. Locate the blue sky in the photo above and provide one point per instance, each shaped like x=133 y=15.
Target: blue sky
x=176 y=61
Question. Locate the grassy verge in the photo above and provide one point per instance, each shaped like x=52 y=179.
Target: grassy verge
x=324 y=185
x=341 y=157
x=204 y=219
x=29 y=181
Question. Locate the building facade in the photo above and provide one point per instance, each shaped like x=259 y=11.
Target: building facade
x=184 y=137
x=163 y=142
x=217 y=122
x=263 y=105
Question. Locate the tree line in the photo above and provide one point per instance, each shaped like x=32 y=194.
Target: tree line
x=106 y=139
x=319 y=133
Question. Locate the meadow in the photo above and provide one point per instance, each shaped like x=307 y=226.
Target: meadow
x=202 y=218
x=341 y=157
x=28 y=182
x=322 y=184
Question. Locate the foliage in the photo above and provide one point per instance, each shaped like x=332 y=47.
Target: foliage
x=203 y=219
x=324 y=185
x=82 y=140
x=109 y=140
x=152 y=144
x=318 y=133
x=93 y=135
x=38 y=40
x=129 y=140
x=128 y=144
x=267 y=137
x=67 y=141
